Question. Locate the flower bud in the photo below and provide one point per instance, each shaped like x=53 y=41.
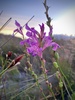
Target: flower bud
x=56 y=55
x=60 y=84
x=55 y=65
x=58 y=75
x=33 y=73
x=9 y=54
x=18 y=58
x=28 y=64
x=35 y=76
x=15 y=61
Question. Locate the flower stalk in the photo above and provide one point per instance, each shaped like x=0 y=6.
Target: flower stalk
x=29 y=67
x=61 y=77
x=46 y=79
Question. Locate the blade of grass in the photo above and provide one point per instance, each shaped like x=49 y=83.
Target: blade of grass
x=5 y=23
x=1 y=12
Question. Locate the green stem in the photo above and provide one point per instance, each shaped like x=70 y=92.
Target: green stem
x=63 y=76
x=46 y=78
x=42 y=91
x=52 y=92
x=62 y=93
x=3 y=72
x=66 y=88
x=66 y=79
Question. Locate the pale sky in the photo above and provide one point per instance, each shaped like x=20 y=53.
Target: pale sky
x=61 y=11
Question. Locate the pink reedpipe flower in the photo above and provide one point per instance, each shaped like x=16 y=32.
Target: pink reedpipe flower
x=19 y=28
x=37 y=42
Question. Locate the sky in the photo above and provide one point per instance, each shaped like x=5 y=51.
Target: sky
x=62 y=13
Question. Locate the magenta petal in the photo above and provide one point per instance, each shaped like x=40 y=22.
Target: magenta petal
x=16 y=30
x=19 y=31
x=26 y=41
x=47 y=44
x=27 y=27
x=55 y=46
x=17 y=24
x=22 y=43
x=42 y=27
x=29 y=34
x=31 y=30
x=32 y=51
x=19 y=28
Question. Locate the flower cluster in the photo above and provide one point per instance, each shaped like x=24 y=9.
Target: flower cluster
x=37 y=42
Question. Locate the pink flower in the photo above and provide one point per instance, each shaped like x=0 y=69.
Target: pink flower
x=38 y=42
x=19 y=28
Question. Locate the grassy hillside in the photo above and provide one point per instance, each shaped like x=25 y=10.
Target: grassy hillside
x=10 y=43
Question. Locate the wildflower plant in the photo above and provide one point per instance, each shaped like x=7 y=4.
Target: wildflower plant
x=35 y=44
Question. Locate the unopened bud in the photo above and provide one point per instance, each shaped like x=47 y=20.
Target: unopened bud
x=28 y=64
x=15 y=61
x=60 y=84
x=35 y=76
x=58 y=75
x=33 y=73
x=9 y=54
x=56 y=55
x=55 y=65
